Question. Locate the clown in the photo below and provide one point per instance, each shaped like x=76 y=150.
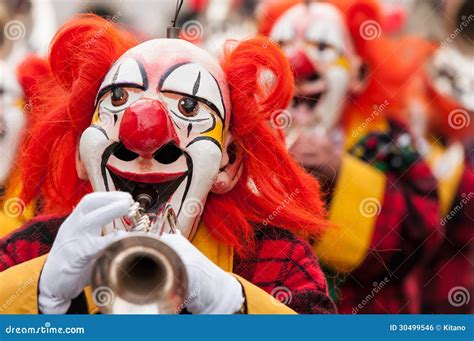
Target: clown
x=348 y=75
x=26 y=27
x=443 y=103
x=12 y=120
x=15 y=118
x=163 y=123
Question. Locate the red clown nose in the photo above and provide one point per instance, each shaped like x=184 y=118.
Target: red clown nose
x=146 y=127
x=301 y=65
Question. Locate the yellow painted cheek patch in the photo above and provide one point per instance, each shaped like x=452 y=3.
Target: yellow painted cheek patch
x=95 y=118
x=343 y=62
x=20 y=103
x=217 y=133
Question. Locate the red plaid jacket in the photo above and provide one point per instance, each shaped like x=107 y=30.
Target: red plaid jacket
x=407 y=232
x=448 y=280
x=282 y=264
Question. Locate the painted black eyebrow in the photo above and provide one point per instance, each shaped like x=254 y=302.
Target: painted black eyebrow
x=200 y=99
x=168 y=72
x=143 y=73
x=212 y=106
x=114 y=78
x=197 y=83
x=118 y=85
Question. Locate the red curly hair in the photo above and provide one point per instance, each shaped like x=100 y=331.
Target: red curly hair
x=390 y=62
x=279 y=184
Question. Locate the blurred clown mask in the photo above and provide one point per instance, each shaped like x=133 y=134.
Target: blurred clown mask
x=12 y=120
x=316 y=40
x=451 y=74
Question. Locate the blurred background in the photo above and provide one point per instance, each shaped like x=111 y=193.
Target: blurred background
x=217 y=17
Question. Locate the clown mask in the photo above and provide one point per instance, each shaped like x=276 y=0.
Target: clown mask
x=451 y=74
x=12 y=120
x=315 y=39
x=160 y=130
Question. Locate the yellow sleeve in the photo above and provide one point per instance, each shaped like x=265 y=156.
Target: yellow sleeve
x=448 y=182
x=260 y=302
x=19 y=287
x=355 y=204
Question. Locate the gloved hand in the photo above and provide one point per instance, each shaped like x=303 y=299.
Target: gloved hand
x=69 y=265
x=211 y=289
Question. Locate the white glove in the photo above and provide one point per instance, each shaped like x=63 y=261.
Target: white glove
x=68 y=268
x=211 y=289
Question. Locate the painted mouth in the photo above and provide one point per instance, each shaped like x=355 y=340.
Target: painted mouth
x=151 y=190
x=310 y=91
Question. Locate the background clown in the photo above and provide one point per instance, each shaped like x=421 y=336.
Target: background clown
x=440 y=106
x=349 y=77
x=27 y=27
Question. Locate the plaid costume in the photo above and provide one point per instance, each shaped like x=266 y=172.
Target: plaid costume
x=453 y=264
x=285 y=266
x=280 y=261
x=406 y=232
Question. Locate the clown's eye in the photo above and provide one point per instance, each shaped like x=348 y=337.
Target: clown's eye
x=188 y=106
x=119 y=96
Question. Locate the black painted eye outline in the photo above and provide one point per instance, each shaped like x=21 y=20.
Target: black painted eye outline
x=200 y=101
x=322 y=46
x=282 y=43
x=127 y=88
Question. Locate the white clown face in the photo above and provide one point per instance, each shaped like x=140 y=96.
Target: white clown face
x=319 y=47
x=160 y=130
x=12 y=120
x=451 y=74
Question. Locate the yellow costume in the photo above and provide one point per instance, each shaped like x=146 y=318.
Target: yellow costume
x=19 y=284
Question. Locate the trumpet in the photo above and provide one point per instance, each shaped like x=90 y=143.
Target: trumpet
x=142 y=274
